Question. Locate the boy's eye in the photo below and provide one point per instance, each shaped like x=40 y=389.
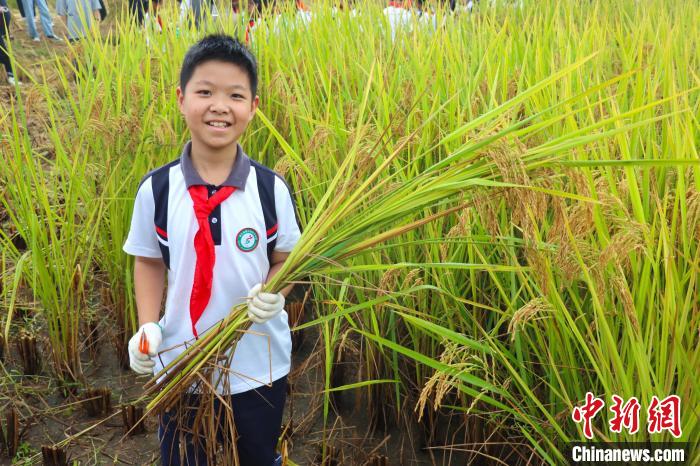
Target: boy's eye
x=203 y=92
x=237 y=96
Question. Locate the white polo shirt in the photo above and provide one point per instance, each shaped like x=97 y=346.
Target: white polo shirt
x=239 y=233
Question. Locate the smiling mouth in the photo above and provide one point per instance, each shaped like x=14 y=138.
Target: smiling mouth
x=219 y=124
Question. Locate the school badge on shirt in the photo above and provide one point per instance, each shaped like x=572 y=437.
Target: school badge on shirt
x=247 y=239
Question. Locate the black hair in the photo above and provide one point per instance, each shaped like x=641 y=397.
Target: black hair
x=223 y=48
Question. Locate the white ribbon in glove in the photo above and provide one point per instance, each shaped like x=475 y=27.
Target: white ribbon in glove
x=142 y=363
x=263 y=306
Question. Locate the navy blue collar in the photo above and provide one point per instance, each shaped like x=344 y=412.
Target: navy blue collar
x=236 y=179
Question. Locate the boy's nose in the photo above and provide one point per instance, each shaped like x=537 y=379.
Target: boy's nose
x=218 y=106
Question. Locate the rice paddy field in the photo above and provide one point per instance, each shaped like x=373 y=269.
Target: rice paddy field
x=501 y=213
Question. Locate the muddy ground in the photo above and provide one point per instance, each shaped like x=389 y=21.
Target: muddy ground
x=48 y=417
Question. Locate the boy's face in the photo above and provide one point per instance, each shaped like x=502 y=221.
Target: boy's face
x=217 y=104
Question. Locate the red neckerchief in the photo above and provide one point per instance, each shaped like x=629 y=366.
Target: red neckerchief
x=204 y=248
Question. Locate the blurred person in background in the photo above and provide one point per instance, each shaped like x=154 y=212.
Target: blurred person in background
x=137 y=10
x=103 y=10
x=197 y=8
x=78 y=16
x=152 y=21
x=46 y=22
x=20 y=6
x=5 y=18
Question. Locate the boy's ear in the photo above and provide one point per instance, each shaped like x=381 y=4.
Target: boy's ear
x=254 y=106
x=180 y=97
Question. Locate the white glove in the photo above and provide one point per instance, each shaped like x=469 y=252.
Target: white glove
x=141 y=363
x=263 y=306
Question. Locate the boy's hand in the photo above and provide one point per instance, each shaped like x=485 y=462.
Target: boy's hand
x=263 y=306
x=144 y=345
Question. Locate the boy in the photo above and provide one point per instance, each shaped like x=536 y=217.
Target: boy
x=204 y=218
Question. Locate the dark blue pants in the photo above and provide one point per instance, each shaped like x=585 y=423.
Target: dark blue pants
x=5 y=18
x=4 y=57
x=257 y=416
